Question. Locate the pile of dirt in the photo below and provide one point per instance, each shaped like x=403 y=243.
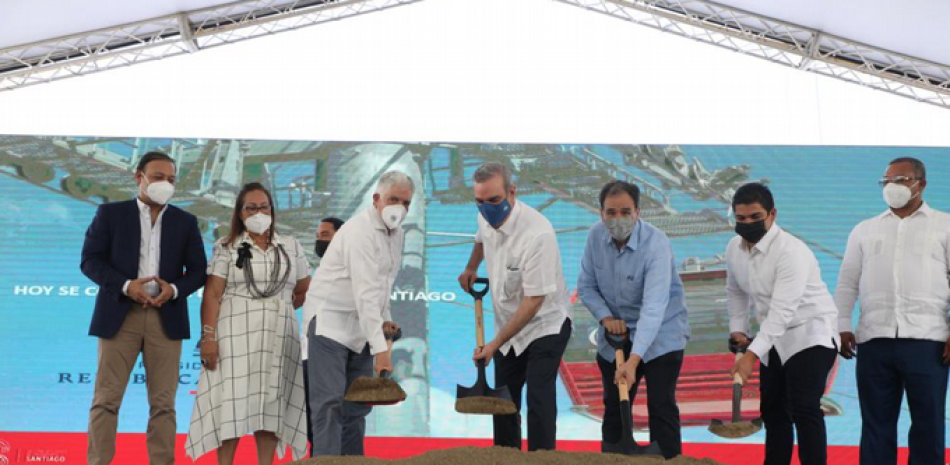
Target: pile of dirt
x=485 y=406
x=735 y=430
x=369 y=390
x=508 y=456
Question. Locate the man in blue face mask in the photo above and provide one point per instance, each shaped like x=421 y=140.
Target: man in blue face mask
x=531 y=306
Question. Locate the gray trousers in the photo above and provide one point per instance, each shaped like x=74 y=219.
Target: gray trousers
x=338 y=425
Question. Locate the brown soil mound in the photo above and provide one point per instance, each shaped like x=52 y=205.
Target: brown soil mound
x=735 y=430
x=506 y=456
x=366 y=389
x=485 y=406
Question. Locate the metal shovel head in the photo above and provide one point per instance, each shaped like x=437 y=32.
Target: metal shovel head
x=627 y=445
x=375 y=391
x=480 y=399
x=477 y=400
x=740 y=429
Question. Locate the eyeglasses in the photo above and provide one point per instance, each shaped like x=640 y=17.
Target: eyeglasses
x=257 y=208
x=903 y=180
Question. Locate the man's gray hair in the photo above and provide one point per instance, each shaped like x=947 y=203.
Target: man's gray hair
x=394 y=178
x=490 y=170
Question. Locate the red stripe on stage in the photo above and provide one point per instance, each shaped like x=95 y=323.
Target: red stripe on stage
x=70 y=448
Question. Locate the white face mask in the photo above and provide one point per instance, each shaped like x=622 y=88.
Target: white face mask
x=897 y=195
x=259 y=223
x=160 y=191
x=393 y=215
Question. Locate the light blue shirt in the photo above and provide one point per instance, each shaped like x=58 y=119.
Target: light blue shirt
x=638 y=284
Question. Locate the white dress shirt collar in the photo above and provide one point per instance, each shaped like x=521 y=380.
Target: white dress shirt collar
x=144 y=207
x=767 y=240
x=924 y=210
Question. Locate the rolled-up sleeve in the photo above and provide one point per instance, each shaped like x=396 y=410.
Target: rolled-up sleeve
x=791 y=278
x=540 y=266
x=588 y=289
x=220 y=263
x=737 y=303
x=656 y=296
x=849 y=278
x=368 y=287
x=300 y=261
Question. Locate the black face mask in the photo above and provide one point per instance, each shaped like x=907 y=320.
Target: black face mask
x=321 y=248
x=752 y=232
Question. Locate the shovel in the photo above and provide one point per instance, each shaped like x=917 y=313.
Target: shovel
x=377 y=391
x=627 y=445
x=737 y=428
x=480 y=399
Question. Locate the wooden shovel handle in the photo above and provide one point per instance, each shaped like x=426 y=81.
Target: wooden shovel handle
x=737 y=378
x=479 y=324
x=624 y=388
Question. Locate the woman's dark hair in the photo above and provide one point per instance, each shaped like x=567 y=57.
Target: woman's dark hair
x=237 y=224
x=753 y=193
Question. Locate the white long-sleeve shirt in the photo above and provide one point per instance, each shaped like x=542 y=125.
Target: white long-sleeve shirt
x=781 y=279
x=350 y=295
x=900 y=271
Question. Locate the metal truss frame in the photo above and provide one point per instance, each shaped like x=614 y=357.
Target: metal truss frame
x=786 y=43
x=176 y=34
x=702 y=20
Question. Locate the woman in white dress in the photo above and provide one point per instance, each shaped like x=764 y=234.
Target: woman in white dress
x=252 y=380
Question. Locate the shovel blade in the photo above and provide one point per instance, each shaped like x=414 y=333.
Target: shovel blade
x=735 y=430
x=479 y=400
x=628 y=446
x=483 y=390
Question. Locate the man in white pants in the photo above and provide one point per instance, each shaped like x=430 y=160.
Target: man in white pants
x=346 y=312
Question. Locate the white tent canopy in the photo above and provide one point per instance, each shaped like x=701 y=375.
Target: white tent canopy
x=876 y=44
x=474 y=70
x=912 y=27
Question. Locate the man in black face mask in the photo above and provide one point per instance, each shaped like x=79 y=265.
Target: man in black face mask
x=325 y=232
x=776 y=273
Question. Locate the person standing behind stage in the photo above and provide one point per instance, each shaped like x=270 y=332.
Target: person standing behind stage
x=775 y=273
x=251 y=379
x=147 y=257
x=348 y=314
x=530 y=301
x=628 y=281
x=325 y=232
x=897 y=264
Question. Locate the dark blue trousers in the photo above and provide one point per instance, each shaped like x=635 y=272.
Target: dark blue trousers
x=886 y=369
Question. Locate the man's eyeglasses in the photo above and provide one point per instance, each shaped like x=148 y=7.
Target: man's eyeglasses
x=252 y=209
x=903 y=180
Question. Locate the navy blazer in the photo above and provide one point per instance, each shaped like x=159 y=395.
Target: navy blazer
x=110 y=257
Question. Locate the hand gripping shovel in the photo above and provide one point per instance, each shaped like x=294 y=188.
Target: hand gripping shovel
x=481 y=399
x=377 y=391
x=627 y=445
x=737 y=428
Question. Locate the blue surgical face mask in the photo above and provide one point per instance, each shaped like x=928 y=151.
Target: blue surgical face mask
x=495 y=213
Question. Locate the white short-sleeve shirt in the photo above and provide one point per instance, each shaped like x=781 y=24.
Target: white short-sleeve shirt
x=523 y=260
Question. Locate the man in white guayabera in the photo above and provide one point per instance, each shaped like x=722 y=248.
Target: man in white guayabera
x=347 y=314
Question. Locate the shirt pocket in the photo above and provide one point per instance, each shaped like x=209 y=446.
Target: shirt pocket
x=631 y=289
x=513 y=281
x=873 y=245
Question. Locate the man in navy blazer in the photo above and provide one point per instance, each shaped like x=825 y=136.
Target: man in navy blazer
x=147 y=257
